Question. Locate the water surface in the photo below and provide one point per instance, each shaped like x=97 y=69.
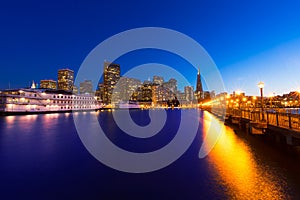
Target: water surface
x=42 y=157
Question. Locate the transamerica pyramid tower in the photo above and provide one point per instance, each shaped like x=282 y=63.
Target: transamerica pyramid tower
x=199 y=88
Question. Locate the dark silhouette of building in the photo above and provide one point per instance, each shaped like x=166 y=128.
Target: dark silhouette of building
x=173 y=103
x=199 y=88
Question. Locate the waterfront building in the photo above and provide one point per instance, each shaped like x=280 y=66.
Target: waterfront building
x=65 y=79
x=111 y=77
x=86 y=87
x=48 y=84
x=164 y=94
x=146 y=93
x=189 y=93
x=160 y=95
x=181 y=96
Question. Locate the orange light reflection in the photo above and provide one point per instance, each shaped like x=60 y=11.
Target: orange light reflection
x=238 y=169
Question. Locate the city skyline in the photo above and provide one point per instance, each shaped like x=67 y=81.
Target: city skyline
x=250 y=39
x=87 y=86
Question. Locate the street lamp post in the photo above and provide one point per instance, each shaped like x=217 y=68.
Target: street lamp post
x=261 y=87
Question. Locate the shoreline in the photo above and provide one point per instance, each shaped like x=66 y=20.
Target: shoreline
x=70 y=111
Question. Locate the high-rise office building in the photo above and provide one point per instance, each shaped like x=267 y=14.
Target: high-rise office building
x=100 y=92
x=48 y=84
x=86 y=87
x=181 y=96
x=127 y=87
x=162 y=94
x=111 y=77
x=171 y=85
x=65 y=79
x=147 y=94
x=158 y=80
x=189 y=93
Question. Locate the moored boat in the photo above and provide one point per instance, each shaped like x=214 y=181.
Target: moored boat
x=28 y=100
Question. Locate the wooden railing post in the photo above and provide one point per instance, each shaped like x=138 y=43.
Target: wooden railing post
x=290 y=121
x=277 y=120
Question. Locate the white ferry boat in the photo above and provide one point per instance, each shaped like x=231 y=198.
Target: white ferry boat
x=22 y=101
x=128 y=105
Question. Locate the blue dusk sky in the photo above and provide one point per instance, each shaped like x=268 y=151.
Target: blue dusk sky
x=249 y=41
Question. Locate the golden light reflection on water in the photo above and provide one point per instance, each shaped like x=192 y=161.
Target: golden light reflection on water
x=10 y=119
x=27 y=120
x=50 y=120
x=238 y=169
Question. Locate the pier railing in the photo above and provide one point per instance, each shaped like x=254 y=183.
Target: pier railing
x=275 y=118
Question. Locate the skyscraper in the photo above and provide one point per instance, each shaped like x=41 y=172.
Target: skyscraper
x=127 y=87
x=199 y=88
x=100 y=92
x=111 y=77
x=162 y=94
x=65 y=79
x=158 y=80
x=189 y=93
x=171 y=85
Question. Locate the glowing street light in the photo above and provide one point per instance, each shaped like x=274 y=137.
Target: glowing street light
x=238 y=92
x=261 y=87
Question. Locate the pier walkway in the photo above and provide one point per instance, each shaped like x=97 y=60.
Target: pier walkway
x=280 y=124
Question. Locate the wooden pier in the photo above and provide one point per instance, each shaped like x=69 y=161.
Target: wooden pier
x=282 y=126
